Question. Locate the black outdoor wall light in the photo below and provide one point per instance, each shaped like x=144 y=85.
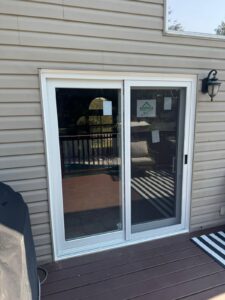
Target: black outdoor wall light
x=211 y=85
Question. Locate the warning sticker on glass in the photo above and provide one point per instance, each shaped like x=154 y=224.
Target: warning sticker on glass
x=155 y=136
x=146 y=108
x=167 y=103
x=107 y=108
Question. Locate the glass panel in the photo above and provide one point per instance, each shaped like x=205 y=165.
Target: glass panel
x=196 y=17
x=157 y=133
x=89 y=136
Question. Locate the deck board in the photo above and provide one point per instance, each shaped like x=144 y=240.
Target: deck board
x=101 y=257
x=170 y=268
x=119 y=271
x=218 y=292
x=179 y=291
x=119 y=261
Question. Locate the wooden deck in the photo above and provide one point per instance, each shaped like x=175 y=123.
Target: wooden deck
x=170 y=268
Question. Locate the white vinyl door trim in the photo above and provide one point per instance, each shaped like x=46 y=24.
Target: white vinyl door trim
x=49 y=80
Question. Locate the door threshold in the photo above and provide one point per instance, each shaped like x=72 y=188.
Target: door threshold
x=137 y=238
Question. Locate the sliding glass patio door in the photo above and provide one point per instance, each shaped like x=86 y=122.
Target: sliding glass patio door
x=117 y=154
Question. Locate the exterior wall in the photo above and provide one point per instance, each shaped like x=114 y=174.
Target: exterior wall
x=112 y=35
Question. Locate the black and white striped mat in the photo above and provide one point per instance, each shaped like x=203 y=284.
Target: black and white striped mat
x=213 y=244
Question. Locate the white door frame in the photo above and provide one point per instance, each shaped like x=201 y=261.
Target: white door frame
x=50 y=79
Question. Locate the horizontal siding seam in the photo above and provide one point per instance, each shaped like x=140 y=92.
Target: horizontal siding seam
x=213 y=177
x=172 y=41
x=207 y=122
x=97 y=37
x=211 y=152
x=20 y=102
x=198 y=205
x=32 y=144
x=28 y=168
x=208 y=142
x=189 y=56
x=21 y=115
x=180 y=39
x=30 y=155
x=21 y=180
x=64 y=5
x=210 y=205
x=103 y=67
x=16 y=168
x=135 y=53
x=207 y=179
x=46 y=247
x=196 y=189
x=27 y=190
x=215 y=219
x=37 y=202
x=209 y=169
x=18 y=88
x=117 y=11
x=202 y=197
x=115 y=38
x=200 y=161
x=197 y=163
x=84 y=22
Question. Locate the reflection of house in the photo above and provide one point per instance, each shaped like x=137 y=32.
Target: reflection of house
x=116 y=51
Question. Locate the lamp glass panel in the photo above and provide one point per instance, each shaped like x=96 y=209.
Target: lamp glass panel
x=213 y=90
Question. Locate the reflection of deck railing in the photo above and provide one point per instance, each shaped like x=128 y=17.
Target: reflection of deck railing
x=98 y=149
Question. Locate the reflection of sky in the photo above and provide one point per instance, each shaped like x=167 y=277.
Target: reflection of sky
x=198 y=15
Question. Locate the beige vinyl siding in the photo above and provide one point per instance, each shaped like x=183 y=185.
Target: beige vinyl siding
x=112 y=35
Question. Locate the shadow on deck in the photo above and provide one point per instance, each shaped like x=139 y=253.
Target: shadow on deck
x=165 y=269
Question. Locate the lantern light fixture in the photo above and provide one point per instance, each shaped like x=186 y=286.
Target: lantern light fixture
x=211 y=84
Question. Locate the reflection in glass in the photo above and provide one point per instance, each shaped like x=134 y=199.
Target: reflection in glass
x=157 y=125
x=200 y=17
x=89 y=136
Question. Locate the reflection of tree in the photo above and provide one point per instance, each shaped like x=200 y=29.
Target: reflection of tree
x=220 y=30
x=173 y=24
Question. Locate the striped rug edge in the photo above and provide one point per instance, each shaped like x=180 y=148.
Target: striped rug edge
x=211 y=246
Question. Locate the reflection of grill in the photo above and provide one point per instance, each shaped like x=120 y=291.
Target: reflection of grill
x=78 y=151
x=158 y=188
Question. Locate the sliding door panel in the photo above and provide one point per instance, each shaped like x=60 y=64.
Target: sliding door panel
x=157 y=134
x=89 y=135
